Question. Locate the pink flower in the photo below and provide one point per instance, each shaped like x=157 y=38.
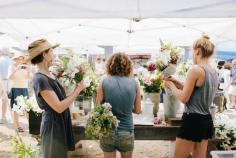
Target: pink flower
x=157 y=121
x=107 y=105
x=147 y=81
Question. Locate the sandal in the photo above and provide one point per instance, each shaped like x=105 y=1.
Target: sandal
x=20 y=129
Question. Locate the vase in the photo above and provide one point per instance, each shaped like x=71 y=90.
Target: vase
x=34 y=122
x=171 y=106
x=212 y=110
x=168 y=71
x=155 y=99
x=87 y=104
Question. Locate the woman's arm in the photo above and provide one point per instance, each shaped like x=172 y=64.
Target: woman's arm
x=59 y=106
x=99 y=98
x=137 y=102
x=184 y=94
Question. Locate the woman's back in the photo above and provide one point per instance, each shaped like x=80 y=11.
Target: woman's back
x=120 y=92
x=202 y=97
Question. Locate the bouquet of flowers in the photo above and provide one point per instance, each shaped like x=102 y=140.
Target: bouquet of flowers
x=25 y=104
x=183 y=68
x=151 y=83
x=169 y=54
x=72 y=69
x=101 y=121
x=226 y=131
x=69 y=70
x=91 y=81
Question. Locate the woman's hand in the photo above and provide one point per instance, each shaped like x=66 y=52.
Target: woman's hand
x=177 y=84
x=80 y=87
x=169 y=84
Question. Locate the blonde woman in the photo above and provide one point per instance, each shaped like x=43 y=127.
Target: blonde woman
x=197 y=93
x=19 y=75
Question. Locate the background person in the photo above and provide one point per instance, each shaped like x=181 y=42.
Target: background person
x=5 y=62
x=19 y=75
x=232 y=87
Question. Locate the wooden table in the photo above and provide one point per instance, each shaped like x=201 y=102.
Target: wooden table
x=143 y=132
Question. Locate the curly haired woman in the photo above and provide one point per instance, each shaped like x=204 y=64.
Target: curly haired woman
x=120 y=89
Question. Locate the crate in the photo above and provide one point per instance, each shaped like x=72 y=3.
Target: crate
x=224 y=154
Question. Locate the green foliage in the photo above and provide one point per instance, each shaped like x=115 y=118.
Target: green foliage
x=20 y=150
x=101 y=121
x=228 y=137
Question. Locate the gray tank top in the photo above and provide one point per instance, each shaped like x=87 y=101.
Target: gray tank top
x=120 y=92
x=202 y=97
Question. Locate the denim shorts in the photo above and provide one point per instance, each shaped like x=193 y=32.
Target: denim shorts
x=120 y=140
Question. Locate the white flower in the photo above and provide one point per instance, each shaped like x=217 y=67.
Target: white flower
x=87 y=81
x=163 y=57
x=107 y=105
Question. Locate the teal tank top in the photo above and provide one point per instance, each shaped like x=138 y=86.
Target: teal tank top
x=120 y=92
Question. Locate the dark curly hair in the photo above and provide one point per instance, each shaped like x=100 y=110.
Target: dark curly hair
x=119 y=64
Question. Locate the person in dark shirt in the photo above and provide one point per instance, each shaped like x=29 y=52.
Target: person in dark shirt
x=56 y=127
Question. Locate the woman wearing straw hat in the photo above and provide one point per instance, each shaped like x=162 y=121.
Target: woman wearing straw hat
x=19 y=75
x=56 y=127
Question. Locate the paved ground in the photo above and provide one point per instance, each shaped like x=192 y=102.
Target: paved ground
x=90 y=149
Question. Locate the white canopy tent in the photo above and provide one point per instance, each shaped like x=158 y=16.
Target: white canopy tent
x=121 y=33
x=117 y=8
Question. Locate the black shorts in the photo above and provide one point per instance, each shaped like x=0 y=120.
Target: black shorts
x=15 y=92
x=196 y=127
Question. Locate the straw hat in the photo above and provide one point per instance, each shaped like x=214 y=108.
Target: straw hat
x=39 y=46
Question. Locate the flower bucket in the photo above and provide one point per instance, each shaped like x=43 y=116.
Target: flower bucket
x=171 y=106
x=87 y=104
x=34 y=122
x=155 y=99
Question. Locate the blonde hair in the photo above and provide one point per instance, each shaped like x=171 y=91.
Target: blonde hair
x=205 y=45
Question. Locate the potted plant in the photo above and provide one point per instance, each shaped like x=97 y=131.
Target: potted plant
x=34 y=112
x=225 y=132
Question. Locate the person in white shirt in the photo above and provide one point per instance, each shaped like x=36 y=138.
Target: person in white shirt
x=99 y=66
x=19 y=75
x=5 y=62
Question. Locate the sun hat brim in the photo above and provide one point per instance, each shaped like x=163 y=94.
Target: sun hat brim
x=34 y=52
